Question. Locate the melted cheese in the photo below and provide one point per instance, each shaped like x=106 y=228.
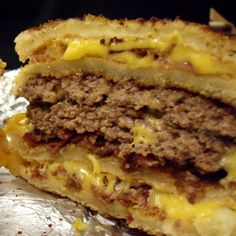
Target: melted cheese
x=221 y=222
x=171 y=47
x=143 y=134
x=153 y=121
x=84 y=173
x=96 y=166
x=201 y=61
x=79 y=225
x=80 y=48
x=151 y=101
x=81 y=170
x=133 y=60
x=151 y=43
x=18 y=125
x=179 y=207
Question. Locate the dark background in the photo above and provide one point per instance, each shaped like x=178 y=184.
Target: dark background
x=16 y=16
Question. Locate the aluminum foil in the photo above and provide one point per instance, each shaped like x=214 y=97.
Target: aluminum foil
x=28 y=211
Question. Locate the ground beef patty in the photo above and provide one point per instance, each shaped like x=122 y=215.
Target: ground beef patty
x=187 y=130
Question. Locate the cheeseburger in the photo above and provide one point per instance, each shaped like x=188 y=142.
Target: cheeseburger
x=134 y=119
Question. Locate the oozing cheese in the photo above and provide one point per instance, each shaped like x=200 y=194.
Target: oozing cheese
x=152 y=43
x=143 y=134
x=79 y=48
x=21 y=122
x=171 y=47
x=96 y=167
x=153 y=121
x=203 y=62
x=133 y=60
x=179 y=207
x=80 y=225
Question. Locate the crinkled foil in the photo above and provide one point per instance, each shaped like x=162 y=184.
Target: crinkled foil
x=28 y=211
x=8 y=104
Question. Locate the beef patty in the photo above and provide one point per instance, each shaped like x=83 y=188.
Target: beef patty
x=145 y=126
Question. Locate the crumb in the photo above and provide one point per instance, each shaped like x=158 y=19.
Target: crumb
x=130 y=219
x=177 y=224
x=99 y=228
x=19 y=232
x=80 y=225
x=49 y=225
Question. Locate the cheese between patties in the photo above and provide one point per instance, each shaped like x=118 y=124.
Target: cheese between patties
x=90 y=171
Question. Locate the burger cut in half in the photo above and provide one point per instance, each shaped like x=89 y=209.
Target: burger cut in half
x=135 y=119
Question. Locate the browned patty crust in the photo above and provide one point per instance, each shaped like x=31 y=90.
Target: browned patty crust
x=193 y=132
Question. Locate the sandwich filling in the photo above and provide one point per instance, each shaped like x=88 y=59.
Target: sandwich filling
x=145 y=127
